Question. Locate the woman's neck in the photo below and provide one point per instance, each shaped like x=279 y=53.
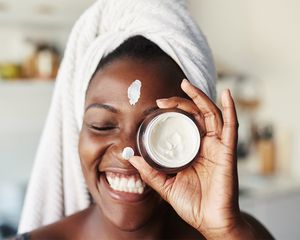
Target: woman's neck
x=153 y=229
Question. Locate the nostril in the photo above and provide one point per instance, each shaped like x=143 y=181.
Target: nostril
x=127 y=153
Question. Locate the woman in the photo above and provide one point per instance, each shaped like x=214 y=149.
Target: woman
x=98 y=122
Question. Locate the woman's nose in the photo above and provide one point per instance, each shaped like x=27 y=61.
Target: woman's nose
x=127 y=145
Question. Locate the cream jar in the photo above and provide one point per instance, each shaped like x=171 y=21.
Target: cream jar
x=169 y=140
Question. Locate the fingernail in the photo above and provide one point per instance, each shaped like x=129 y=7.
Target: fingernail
x=184 y=81
x=184 y=84
x=225 y=95
x=161 y=100
x=228 y=92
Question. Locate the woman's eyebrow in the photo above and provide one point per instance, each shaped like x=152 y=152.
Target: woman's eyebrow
x=114 y=110
x=103 y=106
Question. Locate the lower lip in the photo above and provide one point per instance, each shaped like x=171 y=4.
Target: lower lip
x=123 y=196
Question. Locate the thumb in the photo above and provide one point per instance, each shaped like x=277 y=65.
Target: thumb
x=155 y=179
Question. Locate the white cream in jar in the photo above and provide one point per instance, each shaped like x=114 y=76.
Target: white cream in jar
x=169 y=140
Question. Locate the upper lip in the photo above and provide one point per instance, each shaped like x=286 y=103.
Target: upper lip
x=120 y=170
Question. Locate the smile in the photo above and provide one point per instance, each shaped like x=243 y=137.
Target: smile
x=124 y=186
x=125 y=183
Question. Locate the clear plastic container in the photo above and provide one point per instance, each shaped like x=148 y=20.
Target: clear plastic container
x=169 y=140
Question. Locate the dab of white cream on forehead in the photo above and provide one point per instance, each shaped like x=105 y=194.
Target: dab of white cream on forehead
x=134 y=92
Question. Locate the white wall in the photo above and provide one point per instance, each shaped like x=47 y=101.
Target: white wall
x=23 y=111
x=261 y=39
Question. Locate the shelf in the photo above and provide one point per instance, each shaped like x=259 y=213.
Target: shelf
x=25 y=83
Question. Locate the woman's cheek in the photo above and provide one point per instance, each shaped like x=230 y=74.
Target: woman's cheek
x=90 y=147
x=90 y=152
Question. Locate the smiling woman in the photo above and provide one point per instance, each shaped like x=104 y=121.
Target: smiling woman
x=122 y=196
x=82 y=187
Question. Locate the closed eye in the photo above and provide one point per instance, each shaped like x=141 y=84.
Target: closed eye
x=103 y=128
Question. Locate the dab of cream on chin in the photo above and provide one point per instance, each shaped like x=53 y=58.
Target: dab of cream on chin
x=169 y=140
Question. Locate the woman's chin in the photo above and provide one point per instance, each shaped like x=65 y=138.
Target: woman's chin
x=129 y=218
x=123 y=210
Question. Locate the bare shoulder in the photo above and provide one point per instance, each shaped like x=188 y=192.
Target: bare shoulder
x=257 y=226
x=66 y=228
x=73 y=227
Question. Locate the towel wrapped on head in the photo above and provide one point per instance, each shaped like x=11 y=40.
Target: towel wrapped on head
x=57 y=187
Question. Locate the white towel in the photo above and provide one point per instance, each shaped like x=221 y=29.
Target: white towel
x=57 y=187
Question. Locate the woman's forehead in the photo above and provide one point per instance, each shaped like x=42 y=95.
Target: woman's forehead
x=112 y=82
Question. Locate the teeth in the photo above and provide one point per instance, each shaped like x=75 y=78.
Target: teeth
x=125 y=183
x=131 y=183
x=139 y=183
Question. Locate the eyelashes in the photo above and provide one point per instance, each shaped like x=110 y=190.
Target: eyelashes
x=102 y=129
x=101 y=126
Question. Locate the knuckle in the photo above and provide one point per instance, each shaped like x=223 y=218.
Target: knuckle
x=233 y=124
x=151 y=175
x=210 y=114
x=197 y=115
x=196 y=98
x=211 y=133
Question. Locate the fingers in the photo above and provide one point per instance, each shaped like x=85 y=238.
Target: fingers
x=230 y=129
x=185 y=105
x=207 y=114
x=212 y=115
x=155 y=179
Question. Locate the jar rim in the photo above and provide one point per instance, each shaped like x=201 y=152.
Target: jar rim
x=165 y=162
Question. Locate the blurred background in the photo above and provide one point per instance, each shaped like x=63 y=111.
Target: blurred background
x=257 y=53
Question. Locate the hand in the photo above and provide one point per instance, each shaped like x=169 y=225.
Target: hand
x=205 y=194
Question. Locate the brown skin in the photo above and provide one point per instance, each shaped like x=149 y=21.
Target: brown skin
x=204 y=197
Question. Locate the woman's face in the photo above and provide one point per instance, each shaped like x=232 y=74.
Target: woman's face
x=110 y=124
